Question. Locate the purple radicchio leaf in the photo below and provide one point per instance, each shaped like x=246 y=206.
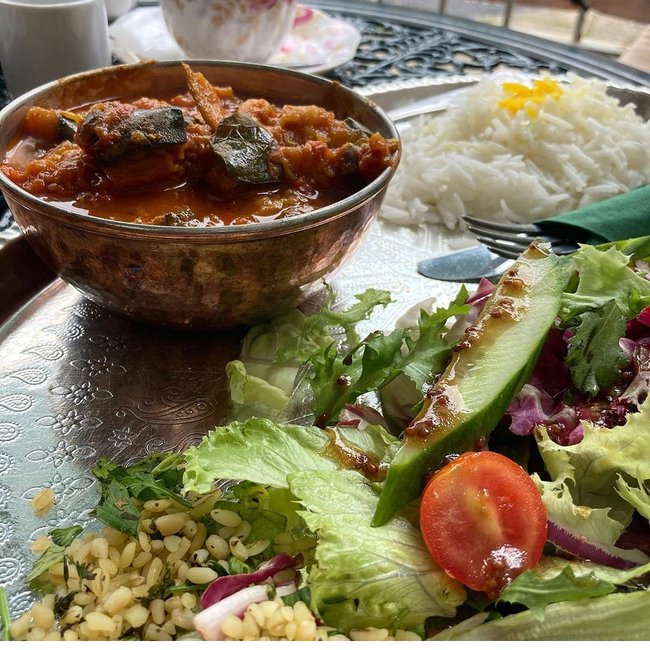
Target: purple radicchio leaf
x=478 y=299
x=534 y=406
x=360 y=416
x=551 y=372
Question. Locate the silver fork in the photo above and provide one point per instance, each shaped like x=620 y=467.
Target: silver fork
x=511 y=240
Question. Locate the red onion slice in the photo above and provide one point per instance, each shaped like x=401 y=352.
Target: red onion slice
x=585 y=550
x=225 y=586
x=208 y=622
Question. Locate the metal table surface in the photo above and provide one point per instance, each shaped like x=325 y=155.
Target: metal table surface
x=76 y=381
x=402 y=43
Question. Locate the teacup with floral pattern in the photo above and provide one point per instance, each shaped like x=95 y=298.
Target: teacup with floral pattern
x=235 y=30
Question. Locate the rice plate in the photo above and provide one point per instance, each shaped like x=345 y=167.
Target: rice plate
x=511 y=153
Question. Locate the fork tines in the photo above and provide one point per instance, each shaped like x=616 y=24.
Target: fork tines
x=510 y=240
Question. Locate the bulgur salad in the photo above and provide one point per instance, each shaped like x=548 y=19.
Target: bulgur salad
x=482 y=473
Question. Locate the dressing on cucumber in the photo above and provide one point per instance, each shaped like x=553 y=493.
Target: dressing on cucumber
x=489 y=366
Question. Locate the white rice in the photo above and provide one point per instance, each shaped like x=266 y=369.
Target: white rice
x=482 y=160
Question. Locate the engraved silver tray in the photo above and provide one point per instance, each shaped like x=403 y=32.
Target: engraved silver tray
x=77 y=382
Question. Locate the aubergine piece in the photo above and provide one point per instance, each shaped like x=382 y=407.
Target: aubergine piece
x=357 y=127
x=51 y=125
x=116 y=133
x=68 y=125
x=244 y=147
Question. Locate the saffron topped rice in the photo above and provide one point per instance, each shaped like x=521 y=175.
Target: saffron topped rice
x=514 y=153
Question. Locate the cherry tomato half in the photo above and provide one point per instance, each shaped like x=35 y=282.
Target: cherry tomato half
x=483 y=520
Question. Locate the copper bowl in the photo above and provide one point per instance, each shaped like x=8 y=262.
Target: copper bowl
x=203 y=278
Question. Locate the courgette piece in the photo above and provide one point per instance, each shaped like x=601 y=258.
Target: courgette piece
x=488 y=367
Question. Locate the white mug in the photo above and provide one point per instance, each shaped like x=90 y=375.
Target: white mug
x=43 y=40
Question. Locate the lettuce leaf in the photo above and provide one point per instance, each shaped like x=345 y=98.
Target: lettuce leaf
x=364 y=576
x=603 y=275
x=618 y=617
x=246 y=388
x=637 y=497
x=427 y=350
x=273 y=353
x=551 y=566
x=599 y=527
x=556 y=580
x=397 y=365
x=263 y=452
x=340 y=377
x=594 y=356
x=603 y=457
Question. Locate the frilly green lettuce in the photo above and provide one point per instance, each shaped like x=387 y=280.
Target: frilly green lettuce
x=604 y=275
x=598 y=483
x=555 y=580
x=616 y=617
x=264 y=452
x=600 y=526
x=364 y=576
x=264 y=377
x=637 y=497
x=601 y=459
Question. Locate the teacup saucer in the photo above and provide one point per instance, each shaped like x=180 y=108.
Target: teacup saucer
x=316 y=43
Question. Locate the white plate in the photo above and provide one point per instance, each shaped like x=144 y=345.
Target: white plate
x=316 y=43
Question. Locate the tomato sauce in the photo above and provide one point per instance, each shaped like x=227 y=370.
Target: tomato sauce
x=205 y=157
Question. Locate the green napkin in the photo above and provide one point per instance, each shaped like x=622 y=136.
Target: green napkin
x=621 y=217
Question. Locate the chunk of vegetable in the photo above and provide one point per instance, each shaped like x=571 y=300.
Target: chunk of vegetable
x=488 y=368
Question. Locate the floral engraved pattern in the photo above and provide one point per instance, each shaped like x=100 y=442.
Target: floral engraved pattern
x=63 y=486
x=87 y=310
x=82 y=393
x=6 y=462
x=111 y=344
x=68 y=422
x=62 y=452
x=10 y=570
x=95 y=367
x=61 y=518
x=31 y=376
x=9 y=431
x=188 y=441
x=156 y=444
x=121 y=438
x=16 y=403
x=47 y=352
x=21 y=602
x=196 y=377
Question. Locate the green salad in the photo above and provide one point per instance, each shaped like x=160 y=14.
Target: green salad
x=482 y=473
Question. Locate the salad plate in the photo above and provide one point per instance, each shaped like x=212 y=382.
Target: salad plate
x=78 y=383
x=316 y=43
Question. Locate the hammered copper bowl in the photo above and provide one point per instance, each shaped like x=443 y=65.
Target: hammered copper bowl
x=204 y=278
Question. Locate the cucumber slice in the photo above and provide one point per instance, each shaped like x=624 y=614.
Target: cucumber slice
x=488 y=368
